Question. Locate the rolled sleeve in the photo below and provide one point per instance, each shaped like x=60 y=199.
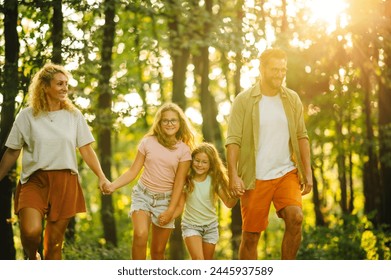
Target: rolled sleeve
x=235 y=123
x=301 y=131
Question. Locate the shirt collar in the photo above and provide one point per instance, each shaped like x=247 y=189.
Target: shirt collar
x=257 y=90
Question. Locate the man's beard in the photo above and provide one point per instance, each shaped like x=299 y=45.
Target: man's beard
x=274 y=83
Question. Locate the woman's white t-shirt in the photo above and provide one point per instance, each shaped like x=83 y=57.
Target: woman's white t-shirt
x=49 y=141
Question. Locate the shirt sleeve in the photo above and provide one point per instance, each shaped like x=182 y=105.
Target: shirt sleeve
x=301 y=130
x=84 y=135
x=186 y=155
x=235 y=122
x=16 y=139
x=141 y=147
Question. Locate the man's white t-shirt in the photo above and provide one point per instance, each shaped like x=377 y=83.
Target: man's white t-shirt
x=274 y=155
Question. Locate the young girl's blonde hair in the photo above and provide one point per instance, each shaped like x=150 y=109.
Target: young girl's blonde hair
x=217 y=170
x=39 y=83
x=185 y=132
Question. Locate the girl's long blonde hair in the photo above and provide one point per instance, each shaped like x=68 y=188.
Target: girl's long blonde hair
x=185 y=132
x=217 y=171
x=40 y=82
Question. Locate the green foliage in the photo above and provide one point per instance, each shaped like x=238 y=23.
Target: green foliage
x=91 y=250
x=349 y=238
x=325 y=68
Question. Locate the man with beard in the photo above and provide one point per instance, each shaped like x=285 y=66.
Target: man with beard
x=268 y=155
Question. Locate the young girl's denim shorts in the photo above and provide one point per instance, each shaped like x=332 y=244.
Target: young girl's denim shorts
x=148 y=201
x=209 y=233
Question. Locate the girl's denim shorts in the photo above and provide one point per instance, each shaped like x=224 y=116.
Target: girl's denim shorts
x=154 y=203
x=209 y=233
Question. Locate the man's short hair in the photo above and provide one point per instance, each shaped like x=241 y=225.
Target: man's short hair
x=268 y=54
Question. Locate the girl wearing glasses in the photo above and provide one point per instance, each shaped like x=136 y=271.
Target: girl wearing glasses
x=165 y=154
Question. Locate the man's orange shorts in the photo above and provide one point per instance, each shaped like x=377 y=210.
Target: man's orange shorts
x=55 y=193
x=255 y=204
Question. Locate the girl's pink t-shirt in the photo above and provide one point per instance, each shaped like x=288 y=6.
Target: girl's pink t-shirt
x=161 y=163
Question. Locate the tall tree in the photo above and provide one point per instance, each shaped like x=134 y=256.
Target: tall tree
x=179 y=48
x=364 y=57
x=140 y=67
x=105 y=119
x=210 y=127
x=236 y=216
x=57 y=31
x=9 y=90
x=385 y=119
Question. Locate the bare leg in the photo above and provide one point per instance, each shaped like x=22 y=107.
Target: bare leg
x=159 y=241
x=30 y=231
x=209 y=250
x=248 y=245
x=53 y=239
x=293 y=217
x=141 y=222
x=194 y=246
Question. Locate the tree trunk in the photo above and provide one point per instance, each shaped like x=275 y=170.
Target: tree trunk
x=179 y=56
x=341 y=163
x=319 y=219
x=10 y=80
x=236 y=216
x=210 y=127
x=385 y=129
x=371 y=172
x=138 y=49
x=57 y=31
x=104 y=116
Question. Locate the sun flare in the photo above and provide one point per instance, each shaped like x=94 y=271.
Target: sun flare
x=329 y=12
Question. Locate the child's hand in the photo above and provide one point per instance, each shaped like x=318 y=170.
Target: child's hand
x=103 y=183
x=108 y=188
x=238 y=191
x=236 y=187
x=165 y=217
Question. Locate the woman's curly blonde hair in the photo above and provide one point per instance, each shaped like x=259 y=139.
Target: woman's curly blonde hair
x=39 y=83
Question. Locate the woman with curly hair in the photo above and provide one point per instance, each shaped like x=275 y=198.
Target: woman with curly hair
x=49 y=130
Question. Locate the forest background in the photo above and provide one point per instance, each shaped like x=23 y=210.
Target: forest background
x=129 y=57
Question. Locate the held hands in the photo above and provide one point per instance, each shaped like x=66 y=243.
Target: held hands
x=106 y=187
x=165 y=217
x=236 y=187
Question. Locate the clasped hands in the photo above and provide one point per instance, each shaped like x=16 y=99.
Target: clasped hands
x=236 y=187
x=106 y=187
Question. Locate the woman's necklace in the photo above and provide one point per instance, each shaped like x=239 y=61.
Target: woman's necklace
x=52 y=116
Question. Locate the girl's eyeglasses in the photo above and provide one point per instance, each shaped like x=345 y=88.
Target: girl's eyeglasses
x=172 y=122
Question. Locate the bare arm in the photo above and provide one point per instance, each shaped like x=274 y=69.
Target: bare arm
x=228 y=201
x=180 y=206
x=130 y=174
x=9 y=158
x=235 y=182
x=89 y=156
x=305 y=154
x=183 y=169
